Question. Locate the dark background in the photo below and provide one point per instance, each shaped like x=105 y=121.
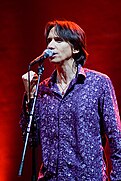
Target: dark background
x=21 y=40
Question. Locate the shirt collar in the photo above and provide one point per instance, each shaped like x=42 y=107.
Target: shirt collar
x=80 y=77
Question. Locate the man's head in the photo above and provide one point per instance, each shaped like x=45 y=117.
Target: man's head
x=71 y=33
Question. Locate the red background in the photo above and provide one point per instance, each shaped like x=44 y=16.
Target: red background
x=21 y=40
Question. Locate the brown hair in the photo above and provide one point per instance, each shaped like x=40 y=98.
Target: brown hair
x=72 y=33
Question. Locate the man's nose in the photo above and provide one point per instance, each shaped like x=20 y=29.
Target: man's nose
x=51 y=44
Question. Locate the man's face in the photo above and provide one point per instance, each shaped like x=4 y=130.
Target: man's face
x=62 y=49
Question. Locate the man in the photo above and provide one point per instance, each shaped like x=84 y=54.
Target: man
x=76 y=109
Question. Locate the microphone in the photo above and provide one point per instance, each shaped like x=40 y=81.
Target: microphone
x=46 y=54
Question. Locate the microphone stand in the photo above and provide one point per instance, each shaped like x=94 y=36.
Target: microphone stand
x=34 y=174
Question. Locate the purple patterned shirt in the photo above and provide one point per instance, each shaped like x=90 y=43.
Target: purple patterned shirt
x=72 y=128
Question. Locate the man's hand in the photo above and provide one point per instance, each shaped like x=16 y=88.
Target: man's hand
x=33 y=82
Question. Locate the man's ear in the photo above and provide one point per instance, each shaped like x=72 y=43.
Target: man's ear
x=75 y=51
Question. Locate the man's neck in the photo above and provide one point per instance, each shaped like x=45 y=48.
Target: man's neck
x=66 y=72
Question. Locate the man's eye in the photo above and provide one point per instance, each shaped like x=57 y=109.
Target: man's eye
x=58 y=39
x=49 y=40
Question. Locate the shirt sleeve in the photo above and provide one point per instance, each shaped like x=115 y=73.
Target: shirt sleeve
x=24 y=121
x=112 y=128
x=24 y=115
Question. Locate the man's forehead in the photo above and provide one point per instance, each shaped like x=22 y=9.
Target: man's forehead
x=52 y=33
